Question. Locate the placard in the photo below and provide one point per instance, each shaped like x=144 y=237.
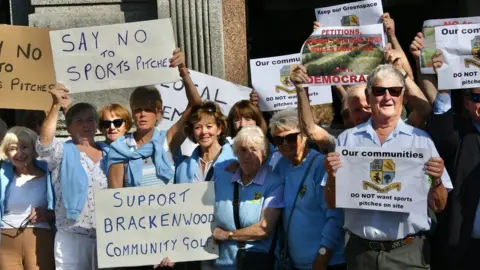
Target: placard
x=271 y=80
x=428 y=31
x=224 y=93
x=26 y=68
x=383 y=180
x=351 y=14
x=460 y=45
x=343 y=55
x=114 y=56
x=142 y=225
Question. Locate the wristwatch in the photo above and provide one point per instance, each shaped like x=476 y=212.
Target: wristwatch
x=230 y=235
x=322 y=251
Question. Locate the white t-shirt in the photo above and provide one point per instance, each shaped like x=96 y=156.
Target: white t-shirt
x=23 y=194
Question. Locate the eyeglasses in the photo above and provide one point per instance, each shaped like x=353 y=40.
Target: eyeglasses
x=475 y=97
x=290 y=138
x=207 y=107
x=116 y=123
x=22 y=227
x=395 y=91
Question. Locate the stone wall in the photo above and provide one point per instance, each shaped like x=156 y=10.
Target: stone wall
x=198 y=26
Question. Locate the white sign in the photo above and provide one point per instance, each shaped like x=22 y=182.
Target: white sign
x=224 y=93
x=351 y=14
x=271 y=80
x=142 y=225
x=461 y=49
x=114 y=56
x=428 y=31
x=384 y=180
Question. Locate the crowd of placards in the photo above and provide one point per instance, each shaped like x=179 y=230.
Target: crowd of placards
x=237 y=178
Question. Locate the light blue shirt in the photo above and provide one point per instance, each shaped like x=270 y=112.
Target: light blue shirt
x=313 y=224
x=442 y=104
x=265 y=191
x=382 y=225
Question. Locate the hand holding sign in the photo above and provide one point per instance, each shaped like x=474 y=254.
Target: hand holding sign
x=316 y=25
x=434 y=167
x=332 y=163
x=299 y=75
x=417 y=46
x=60 y=96
x=388 y=24
x=178 y=59
x=438 y=60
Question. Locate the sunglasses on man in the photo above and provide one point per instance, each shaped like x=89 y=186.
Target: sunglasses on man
x=117 y=123
x=475 y=97
x=394 y=91
x=290 y=139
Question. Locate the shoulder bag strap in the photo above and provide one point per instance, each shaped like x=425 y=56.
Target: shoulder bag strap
x=236 y=210
x=212 y=169
x=285 y=245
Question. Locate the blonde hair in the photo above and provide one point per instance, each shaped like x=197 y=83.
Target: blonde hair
x=14 y=135
x=251 y=136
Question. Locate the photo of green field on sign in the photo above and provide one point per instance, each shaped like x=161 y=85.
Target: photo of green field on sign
x=338 y=52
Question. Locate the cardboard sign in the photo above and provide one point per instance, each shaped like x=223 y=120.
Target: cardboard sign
x=26 y=68
x=351 y=14
x=460 y=45
x=142 y=225
x=343 y=55
x=114 y=56
x=383 y=180
x=271 y=80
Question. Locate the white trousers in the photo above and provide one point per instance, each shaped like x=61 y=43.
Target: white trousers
x=74 y=252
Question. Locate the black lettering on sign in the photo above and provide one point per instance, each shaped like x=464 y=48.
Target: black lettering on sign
x=36 y=53
x=1 y=46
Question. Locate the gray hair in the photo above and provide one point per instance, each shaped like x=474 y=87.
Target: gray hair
x=355 y=91
x=284 y=120
x=382 y=72
x=78 y=108
x=3 y=129
x=14 y=135
x=251 y=136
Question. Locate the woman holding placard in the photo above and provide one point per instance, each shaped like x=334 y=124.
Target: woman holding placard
x=147 y=157
x=248 y=205
x=77 y=170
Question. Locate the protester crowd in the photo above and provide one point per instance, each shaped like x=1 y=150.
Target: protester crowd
x=47 y=207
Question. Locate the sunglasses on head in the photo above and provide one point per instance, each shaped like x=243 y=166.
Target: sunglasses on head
x=207 y=107
x=108 y=123
x=394 y=91
x=290 y=138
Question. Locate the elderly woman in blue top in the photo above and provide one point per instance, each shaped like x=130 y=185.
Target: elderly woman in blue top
x=315 y=236
x=77 y=169
x=26 y=200
x=206 y=126
x=246 y=230
x=147 y=156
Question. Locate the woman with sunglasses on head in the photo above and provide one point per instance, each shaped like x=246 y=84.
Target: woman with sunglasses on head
x=147 y=156
x=314 y=233
x=206 y=126
x=77 y=170
x=26 y=203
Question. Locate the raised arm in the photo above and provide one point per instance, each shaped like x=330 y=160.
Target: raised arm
x=413 y=94
x=49 y=126
x=428 y=82
x=316 y=133
x=389 y=26
x=175 y=136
